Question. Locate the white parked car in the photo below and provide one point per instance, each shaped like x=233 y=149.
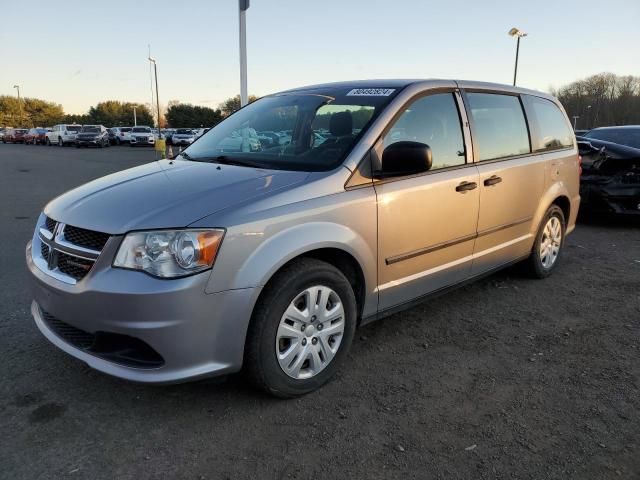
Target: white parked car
x=122 y=134
x=183 y=136
x=142 y=136
x=63 y=134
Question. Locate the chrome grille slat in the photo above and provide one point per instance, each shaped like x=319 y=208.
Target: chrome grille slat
x=72 y=251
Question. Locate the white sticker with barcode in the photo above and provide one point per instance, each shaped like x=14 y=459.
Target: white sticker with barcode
x=371 y=92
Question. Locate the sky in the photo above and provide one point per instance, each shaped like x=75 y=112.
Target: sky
x=78 y=53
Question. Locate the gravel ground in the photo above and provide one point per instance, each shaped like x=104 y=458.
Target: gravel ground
x=504 y=378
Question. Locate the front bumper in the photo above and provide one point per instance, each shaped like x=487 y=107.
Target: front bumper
x=196 y=334
x=146 y=141
x=182 y=141
x=610 y=197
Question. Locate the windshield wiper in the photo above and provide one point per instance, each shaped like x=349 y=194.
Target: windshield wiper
x=226 y=160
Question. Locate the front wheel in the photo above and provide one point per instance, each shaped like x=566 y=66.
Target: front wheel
x=301 y=329
x=547 y=248
x=60 y=142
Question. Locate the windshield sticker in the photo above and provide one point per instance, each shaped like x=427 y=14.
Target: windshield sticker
x=371 y=92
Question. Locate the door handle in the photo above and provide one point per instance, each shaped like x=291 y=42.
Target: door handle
x=492 y=180
x=464 y=186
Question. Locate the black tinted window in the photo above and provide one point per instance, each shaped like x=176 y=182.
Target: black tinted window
x=553 y=131
x=500 y=129
x=433 y=120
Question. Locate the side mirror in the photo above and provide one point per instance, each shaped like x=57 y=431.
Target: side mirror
x=406 y=158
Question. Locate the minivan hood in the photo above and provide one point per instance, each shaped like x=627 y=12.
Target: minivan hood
x=164 y=194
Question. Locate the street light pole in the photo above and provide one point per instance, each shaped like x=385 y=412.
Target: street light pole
x=17 y=87
x=514 y=32
x=575 y=121
x=243 y=7
x=155 y=70
x=135 y=120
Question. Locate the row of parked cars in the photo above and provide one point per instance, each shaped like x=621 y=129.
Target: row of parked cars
x=98 y=135
x=79 y=135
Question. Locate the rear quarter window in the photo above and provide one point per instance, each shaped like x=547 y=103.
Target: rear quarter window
x=552 y=131
x=499 y=126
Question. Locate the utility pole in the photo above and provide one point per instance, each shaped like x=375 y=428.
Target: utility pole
x=135 y=121
x=575 y=121
x=155 y=69
x=17 y=87
x=243 y=7
x=514 y=32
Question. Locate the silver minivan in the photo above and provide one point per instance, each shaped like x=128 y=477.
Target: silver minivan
x=267 y=256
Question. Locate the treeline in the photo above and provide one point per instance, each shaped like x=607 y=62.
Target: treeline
x=33 y=112
x=601 y=100
x=195 y=116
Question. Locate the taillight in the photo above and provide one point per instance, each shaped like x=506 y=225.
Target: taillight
x=580 y=165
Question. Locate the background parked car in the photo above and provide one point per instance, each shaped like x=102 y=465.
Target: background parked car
x=121 y=134
x=14 y=135
x=96 y=135
x=610 y=180
x=628 y=135
x=2 y=130
x=142 y=136
x=63 y=134
x=183 y=136
x=36 y=136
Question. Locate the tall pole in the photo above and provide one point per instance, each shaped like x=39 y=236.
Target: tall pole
x=17 y=87
x=515 y=32
x=244 y=96
x=155 y=70
x=135 y=120
x=575 y=121
x=515 y=70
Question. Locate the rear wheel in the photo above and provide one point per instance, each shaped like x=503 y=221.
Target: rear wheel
x=60 y=142
x=547 y=248
x=301 y=329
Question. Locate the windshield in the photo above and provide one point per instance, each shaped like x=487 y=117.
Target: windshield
x=90 y=129
x=74 y=128
x=308 y=131
x=141 y=130
x=184 y=131
x=623 y=136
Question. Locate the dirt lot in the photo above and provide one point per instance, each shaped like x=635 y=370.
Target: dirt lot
x=505 y=378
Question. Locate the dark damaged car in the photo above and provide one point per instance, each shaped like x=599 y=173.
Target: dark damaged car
x=610 y=181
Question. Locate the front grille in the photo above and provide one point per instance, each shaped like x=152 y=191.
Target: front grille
x=75 y=267
x=50 y=224
x=76 y=337
x=61 y=256
x=85 y=238
x=631 y=178
x=44 y=250
x=115 y=347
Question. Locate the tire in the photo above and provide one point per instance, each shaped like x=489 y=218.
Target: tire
x=539 y=265
x=60 y=142
x=265 y=340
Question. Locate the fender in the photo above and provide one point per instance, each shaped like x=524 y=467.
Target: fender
x=273 y=253
x=557 y=189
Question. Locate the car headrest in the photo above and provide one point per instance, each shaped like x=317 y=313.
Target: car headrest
x=340 y=124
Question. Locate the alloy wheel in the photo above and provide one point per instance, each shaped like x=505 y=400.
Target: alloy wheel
x=550 y=242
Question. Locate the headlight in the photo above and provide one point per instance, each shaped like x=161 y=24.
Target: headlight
x=169 y=253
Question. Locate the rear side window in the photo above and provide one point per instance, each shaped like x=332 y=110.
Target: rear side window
x=433 y=120
x=552 y=131
x=500 y=129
